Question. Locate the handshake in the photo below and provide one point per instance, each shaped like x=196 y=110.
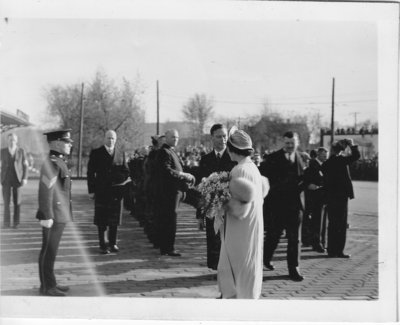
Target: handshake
x=188 y=178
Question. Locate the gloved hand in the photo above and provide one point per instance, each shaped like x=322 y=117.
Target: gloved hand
x=46 y=223
x=188 y=177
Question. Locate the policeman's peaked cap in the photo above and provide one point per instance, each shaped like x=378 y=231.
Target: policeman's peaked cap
x=62 y=135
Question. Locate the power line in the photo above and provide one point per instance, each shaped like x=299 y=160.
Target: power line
x=280 y=103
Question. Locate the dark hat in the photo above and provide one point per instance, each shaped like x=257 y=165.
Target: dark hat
x=338 y=146
x=62 y=135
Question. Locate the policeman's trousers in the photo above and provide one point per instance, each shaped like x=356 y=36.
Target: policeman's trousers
x=50 y=241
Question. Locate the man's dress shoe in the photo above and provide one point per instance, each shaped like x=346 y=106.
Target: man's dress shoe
x=54 y=292
x=114 y=249
x=296 y=276
x=58 y=287
x=269 y=266
x=104 y=251
x=341 y=255
x=319 y=249
x=62 y=288
x=172 y=253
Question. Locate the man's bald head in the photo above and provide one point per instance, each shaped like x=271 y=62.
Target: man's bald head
x=171 y=137
x=110 y=138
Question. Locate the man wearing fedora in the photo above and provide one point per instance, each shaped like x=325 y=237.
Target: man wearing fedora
x=107 y=173
x=55 y=208
x=284 y=170
x=339 y=189
x=14 y=175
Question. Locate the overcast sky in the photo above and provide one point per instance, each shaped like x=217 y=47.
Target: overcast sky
x=240 y=63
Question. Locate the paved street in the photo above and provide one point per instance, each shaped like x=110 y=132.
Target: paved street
x=139 y=271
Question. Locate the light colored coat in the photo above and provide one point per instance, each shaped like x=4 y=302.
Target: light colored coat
x=240 y=268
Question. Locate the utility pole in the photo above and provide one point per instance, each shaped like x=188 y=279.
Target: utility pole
x=355 y=120
x=158 y=110
x=333 y=112
x=80 y=137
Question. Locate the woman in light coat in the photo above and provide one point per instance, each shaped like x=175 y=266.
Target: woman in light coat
x=240 y=268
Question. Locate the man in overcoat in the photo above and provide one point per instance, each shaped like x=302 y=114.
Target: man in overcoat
x=107 y=174
x=172 y=183
x=55 y=208
x=284 y=170
x=14 y=175
x=314 y=183
x=218 y=160
x=339 y=190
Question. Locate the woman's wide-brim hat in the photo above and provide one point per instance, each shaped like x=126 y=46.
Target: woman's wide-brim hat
x=239 y=139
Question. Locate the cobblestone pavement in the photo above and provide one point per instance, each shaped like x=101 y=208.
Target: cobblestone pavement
x=139 y=271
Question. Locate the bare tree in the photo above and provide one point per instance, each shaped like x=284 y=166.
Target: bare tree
x=106 y=106
x=198 y=110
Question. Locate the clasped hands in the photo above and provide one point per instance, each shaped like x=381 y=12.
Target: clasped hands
x=189 y=178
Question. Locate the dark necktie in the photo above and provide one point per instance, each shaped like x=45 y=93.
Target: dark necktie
x=218 y=156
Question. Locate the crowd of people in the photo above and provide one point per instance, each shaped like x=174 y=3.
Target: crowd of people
x=301 y=196
x=352 y=131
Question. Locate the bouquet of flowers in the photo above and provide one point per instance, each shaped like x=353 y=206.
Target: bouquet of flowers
x=215 y=193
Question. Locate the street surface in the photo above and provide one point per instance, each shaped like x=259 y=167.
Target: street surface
x=139 y=271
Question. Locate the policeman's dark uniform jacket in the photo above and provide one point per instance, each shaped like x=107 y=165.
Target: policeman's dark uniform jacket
x=317 y=199
x=54 y=203
x=209 y=164
x=285 y=202
x=339 y=189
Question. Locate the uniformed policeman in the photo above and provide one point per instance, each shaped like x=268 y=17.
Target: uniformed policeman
x=55 y=209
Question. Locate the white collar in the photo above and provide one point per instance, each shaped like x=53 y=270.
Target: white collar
x=219 y=152
x=12 y=151
x=109 y=150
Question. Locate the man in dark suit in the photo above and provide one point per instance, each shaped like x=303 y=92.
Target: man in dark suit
x=313 y=180
x=284 y=170
x=339 y=190
x=171 y=182
x=55 y=208
x=218 y=160
x=14 y=175
x=107 y=174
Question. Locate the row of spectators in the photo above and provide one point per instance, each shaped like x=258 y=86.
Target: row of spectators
x=351 y=131
x=363 y=169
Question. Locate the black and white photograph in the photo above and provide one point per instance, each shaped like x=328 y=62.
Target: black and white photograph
x=162 y=159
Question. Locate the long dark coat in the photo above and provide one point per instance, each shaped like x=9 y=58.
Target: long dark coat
x=208 y=165
x=339 y=189
x=20 y=165
x=170 y=187
x=104 y=175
